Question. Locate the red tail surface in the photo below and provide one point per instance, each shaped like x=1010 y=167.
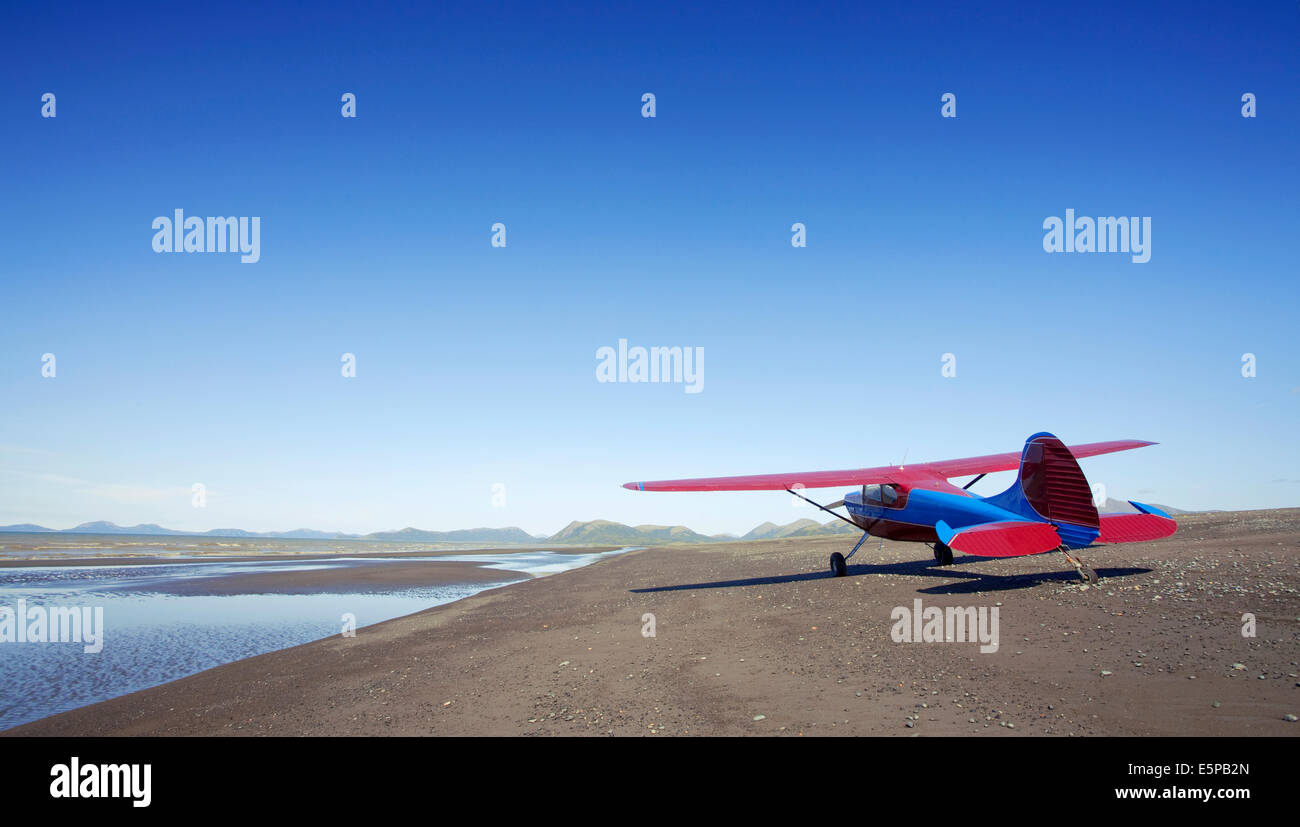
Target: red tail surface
x=1150 y=524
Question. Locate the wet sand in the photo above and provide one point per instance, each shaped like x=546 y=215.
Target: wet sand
x=351 y=578
x=757 y=638
x=146 y=559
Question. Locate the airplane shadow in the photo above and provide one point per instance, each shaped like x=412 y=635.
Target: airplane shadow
x=972 y=582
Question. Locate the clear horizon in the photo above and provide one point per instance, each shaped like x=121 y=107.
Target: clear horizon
x=821 y=519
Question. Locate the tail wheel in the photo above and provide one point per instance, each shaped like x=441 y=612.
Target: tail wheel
x=942 y=554
x=838 y=567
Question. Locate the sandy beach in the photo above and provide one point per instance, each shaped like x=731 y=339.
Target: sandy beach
x=757 y=638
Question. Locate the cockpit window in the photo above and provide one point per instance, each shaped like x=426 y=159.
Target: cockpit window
x=886 y=495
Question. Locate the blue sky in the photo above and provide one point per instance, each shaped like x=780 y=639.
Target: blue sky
x=476 y=365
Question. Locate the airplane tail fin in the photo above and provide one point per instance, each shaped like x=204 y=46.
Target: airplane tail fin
x=1050 y=486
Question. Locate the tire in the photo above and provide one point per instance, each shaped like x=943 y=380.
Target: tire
x=838 y=567
x=942 y=554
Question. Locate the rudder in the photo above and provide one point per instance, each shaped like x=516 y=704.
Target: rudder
x=1051 y=486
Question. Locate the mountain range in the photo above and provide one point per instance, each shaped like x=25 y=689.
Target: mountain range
x=1113 y=506
x=592 y=532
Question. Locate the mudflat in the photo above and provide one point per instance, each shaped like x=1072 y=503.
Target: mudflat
x=758 y=638
x=358 y=578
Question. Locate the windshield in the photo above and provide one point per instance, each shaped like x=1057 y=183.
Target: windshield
x=886 y=495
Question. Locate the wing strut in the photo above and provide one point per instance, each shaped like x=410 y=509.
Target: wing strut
x=824 y=508
x=865 y=535
x=838 y=561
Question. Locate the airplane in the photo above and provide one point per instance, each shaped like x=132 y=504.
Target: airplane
x=1049 y=507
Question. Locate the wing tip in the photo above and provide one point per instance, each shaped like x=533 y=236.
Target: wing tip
x=1143 y=508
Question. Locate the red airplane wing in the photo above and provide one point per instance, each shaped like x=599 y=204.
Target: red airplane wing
x=929 y=474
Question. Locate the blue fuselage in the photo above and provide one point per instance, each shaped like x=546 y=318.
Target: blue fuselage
x=914 y=515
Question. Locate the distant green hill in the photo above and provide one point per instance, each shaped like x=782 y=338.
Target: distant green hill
x=762 y=531
x=464 y=535
x=606 y=532
x=819 y=529
x=799 y=528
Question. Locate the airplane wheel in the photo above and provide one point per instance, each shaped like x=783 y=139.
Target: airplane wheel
x=1089 y=576
x=942 y=554
x=838 y=567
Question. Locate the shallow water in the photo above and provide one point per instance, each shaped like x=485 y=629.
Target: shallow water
x=151 y=637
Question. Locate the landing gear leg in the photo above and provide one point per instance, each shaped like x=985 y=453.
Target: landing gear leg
x=839 y=563
x=1089 y=576
x=942 y=554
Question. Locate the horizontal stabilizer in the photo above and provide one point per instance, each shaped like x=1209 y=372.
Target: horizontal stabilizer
x=1007 y=538
x=1149 y=524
